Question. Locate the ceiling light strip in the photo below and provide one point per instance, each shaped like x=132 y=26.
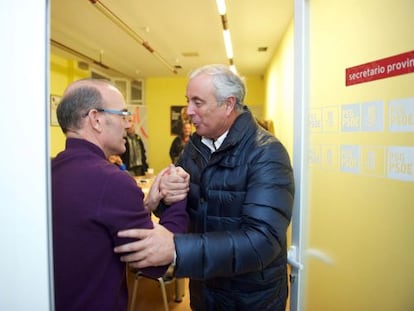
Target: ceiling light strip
x=227 y=43
x=221 y=7
x=120 y=23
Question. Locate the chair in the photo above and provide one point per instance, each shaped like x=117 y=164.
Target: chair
x=164 y=280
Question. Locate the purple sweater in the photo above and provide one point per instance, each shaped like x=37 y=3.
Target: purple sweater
x=91 y=201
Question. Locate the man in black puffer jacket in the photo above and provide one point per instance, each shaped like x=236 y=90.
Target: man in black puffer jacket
x=240 y=204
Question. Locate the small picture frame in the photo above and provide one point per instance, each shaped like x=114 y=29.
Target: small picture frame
x=54 y=102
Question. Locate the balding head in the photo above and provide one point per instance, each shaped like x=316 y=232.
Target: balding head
x=78 y=98
x=93 y=110
x=93 y=83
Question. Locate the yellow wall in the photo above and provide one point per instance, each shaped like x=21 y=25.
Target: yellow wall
x=279 y=95
x=363 y=221
x=160 y=94
x=279 y=90
x=62 y=72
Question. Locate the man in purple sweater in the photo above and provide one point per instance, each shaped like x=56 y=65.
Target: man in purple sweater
x=92 y=200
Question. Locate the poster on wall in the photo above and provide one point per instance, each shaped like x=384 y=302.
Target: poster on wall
x=178 y=116
x=139 y=118
x=54 y=102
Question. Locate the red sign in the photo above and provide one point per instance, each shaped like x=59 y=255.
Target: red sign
x=382 y=68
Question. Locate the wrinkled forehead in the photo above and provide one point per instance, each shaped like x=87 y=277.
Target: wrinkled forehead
x=200 y=86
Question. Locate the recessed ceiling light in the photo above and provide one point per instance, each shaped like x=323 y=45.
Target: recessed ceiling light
x=262 y=49
x=190 y=54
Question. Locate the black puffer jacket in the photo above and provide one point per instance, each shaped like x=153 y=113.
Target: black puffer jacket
x=240 y=205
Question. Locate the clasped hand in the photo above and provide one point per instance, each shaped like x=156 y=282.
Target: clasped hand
x=155 y=247
x=171 y=185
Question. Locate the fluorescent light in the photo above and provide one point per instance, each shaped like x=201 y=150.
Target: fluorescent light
x=227 y=43
x=221 y=7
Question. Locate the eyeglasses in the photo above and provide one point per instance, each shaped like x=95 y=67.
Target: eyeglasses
x=123 y=113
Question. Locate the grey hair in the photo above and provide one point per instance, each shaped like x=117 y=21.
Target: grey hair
x=226 y=83
x=79 y=98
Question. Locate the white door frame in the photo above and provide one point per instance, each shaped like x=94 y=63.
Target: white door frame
x=300 y=154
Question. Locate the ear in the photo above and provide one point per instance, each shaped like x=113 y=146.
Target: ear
x=94 y=120
x=230 y=104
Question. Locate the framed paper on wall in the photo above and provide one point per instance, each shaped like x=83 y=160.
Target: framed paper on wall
x=54 y=102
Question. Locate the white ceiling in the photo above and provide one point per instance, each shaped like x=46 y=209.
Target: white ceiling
x=173 y=29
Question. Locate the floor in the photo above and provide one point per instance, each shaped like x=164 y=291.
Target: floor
x=149 y=296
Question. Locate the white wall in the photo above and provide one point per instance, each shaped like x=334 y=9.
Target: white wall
x=24 y=262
